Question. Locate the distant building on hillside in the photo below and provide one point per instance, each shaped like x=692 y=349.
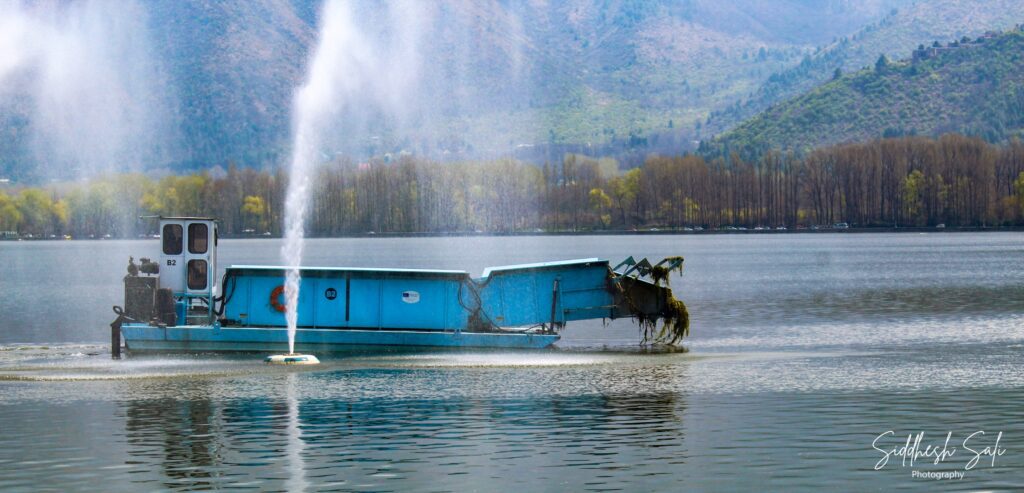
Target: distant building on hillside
x=929 y=52
x=923 y=53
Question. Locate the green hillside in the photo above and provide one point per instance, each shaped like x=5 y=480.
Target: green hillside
x=895 y=35
x=971 y=86
x=622 y=78
x=496 y=75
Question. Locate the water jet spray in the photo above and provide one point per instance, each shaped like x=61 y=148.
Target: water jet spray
x=333 y=84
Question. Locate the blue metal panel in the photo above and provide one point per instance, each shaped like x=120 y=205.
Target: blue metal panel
x=328 y=302
x=522 y=295
x=543 y=265
x=262 y=313
x=260 y=310
x=458 y=298
x=180 y=310
x=238 y=305
x=490 y=300
x=519 y=296
x=511 y=296
x=413 y=303
x=356 y=303
x=140 y=337
x=364 y=303
x=271 y=271
x=584 y=294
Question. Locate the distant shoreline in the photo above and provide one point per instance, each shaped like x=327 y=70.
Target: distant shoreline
x=664 y=232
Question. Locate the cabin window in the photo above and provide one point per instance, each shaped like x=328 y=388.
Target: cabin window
x=197 y=274
x=172 y=236
x=197 y=238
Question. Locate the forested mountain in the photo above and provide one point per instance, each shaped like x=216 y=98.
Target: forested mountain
x=899 y=32
x=209 y=83
x=498 y=75
x=973 y=86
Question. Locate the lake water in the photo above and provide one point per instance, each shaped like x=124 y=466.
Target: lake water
x=805 y=348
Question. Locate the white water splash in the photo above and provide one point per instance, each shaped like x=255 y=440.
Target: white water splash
x=351 y=73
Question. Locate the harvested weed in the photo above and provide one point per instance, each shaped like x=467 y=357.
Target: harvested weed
x=675 y=324
x=673 y=315
x=660 y=274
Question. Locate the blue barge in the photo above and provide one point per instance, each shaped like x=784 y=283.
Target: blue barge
x=173 y=304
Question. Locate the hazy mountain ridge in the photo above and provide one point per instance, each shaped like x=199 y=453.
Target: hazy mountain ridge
x=974 y=87
x=920 y=22
x=500 y=75
x=505 y=74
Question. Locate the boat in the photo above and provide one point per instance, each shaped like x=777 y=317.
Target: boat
x=176 y=303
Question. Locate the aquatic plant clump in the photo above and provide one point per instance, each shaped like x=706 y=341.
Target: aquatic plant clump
x=670 y=311
x=660 y=274
x=675 y=324
x=676 y=321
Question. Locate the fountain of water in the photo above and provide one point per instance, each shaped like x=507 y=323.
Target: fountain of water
x=349 y=71
x=84 y=75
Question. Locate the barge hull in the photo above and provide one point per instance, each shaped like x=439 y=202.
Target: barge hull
x=141 y=338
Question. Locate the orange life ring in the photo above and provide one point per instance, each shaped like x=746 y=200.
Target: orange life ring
x=275 y=295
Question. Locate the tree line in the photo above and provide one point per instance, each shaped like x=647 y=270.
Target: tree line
x=953 y=180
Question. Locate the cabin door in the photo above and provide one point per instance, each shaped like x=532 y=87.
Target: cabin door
x=199 y=268
x=172 y=256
